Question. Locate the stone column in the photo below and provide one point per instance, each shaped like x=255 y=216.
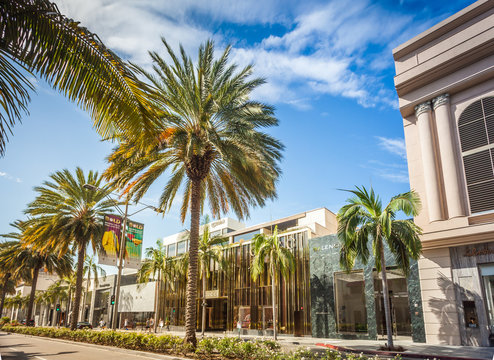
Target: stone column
x=432 y=184
x=449 y=160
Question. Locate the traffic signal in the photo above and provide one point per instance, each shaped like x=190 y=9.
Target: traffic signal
x=113 y=300
x=58 y=307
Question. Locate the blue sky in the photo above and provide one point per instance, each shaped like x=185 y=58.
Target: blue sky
x=330 y=73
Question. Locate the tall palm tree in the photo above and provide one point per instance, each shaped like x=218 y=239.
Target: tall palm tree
x=269 y=252
x=37 y=40
x=363 y=220
x=156 y=266
x=209 y=252
x=8 y=287
x=210 y=143
x=20 y=256
x=91 y=268
x=67 y=216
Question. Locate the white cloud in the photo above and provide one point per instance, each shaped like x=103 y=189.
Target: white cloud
x=325 y=50
x=394 y=172
x=393 y=145
x=7 y=176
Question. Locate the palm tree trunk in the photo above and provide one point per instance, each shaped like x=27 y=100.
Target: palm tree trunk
x=31 y=295
x=67 y=308
x=156 y=300
x=273 y=296
x=78 y=285
x=4 y=292
x=191 y=296
x=83 y=318
x=204 y=300
x=387 y=312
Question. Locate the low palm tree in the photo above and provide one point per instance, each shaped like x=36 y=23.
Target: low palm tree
x=35 y=38
x=91 y=268
x=270 y=253
x=210 y=142
x=69 y=286
x=56 y=294
x=209 y=252
x=156 y=266
x=363 y=220
x=22 y=257
x=10 y=274
x=66 y=216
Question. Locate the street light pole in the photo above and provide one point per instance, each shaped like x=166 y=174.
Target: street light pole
x=120 y=265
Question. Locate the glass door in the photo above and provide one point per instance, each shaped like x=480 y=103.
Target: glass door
x=487 y=273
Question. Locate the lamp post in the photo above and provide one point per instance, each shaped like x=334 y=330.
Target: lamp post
x=121 y=248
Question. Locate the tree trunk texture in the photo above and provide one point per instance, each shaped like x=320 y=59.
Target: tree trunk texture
x=4 y=292
x=156 y=301
x=273 y=290
x=387 y=310
x=191 y=296
x=203 y=302
x=85 y=296
x=78 y=285
x=32 y=294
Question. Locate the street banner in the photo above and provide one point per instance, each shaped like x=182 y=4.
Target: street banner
x=133 y=244
x=108 y=253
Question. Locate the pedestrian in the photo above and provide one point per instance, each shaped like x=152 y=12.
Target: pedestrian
x=167 y=324
x=126 y=324
x=161 y=325
x=151 y=324
x=239 y=327
x=101 y=323
x=147 y=325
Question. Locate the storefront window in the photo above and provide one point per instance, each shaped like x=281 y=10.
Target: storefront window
x=171 y=250
x=351 y=312
x=398 y=297
x=487 y=272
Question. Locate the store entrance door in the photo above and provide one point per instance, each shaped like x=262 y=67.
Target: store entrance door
x=487 y=273
x=398 y=297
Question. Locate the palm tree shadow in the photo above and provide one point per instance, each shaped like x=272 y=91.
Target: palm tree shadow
x=447 y=310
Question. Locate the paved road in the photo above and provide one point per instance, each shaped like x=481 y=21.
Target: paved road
x=20 y=347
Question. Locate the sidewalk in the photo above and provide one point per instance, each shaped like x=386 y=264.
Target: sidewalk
x=431 y=351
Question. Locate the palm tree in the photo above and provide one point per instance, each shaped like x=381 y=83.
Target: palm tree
x=209 y=252
x=10 y=274
x=22 y=257
x=91 y=267
x=55 y=294
x=210 y=142
x=67 y=216
x=69 y=285
x=363 y=220
x=156 y=266
x=35 y=38
x=269 y=252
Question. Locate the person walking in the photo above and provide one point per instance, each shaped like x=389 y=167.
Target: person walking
x=147 y=325
x=151 y=324
x=239 y=327
x=126 y=324
x=160 y=324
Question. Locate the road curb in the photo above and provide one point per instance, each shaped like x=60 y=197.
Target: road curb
x=104 y=347
x=394 y=353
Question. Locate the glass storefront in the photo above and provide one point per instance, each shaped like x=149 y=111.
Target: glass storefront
x=398 y=298
x=351 y=314
x=487 y=273
x=233 y=296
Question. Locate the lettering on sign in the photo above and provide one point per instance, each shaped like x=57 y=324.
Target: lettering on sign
x=328 y=247
x=212 y=294
x=478 y=252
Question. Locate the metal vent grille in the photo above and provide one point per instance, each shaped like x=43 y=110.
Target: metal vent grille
x=476 y=130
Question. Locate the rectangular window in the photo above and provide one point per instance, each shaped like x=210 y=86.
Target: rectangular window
x=171 y=250
x=181 y=247
x=245 y=237
x=351 y=313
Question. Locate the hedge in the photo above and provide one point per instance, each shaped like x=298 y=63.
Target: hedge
x=218 y=348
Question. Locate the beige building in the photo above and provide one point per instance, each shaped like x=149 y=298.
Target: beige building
x=445 y=83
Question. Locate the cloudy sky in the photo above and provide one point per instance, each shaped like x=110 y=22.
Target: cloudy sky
x=329 y=71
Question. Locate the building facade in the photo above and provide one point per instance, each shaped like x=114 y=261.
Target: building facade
x=317 y=298
x=445 y=83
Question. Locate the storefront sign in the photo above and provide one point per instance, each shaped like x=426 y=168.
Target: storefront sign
x=478 y=252
x=210 y=294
